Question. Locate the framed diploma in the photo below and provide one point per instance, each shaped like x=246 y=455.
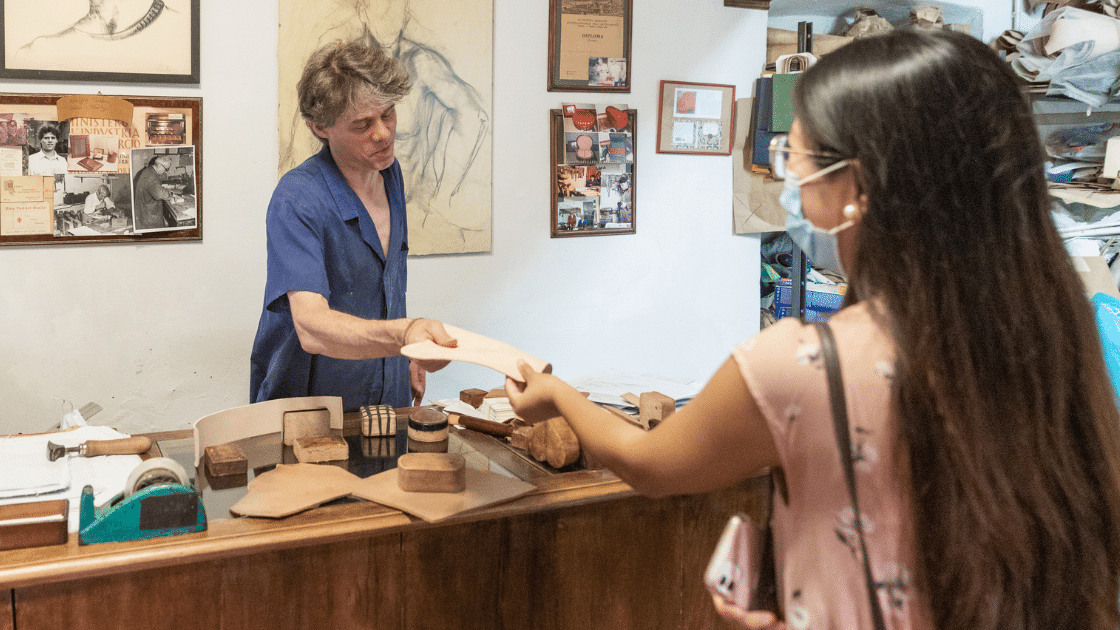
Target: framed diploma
x=589 y=45
x=696 y=118
x=593 y=170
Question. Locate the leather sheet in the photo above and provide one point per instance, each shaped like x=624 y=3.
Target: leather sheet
x=290 y=489
x=477 y=349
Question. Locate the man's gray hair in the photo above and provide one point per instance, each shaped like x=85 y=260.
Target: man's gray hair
x=342 y=73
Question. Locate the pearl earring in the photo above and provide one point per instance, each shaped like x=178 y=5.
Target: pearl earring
x=851 y=211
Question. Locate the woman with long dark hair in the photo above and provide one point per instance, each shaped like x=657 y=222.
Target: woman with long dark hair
x=984 y=431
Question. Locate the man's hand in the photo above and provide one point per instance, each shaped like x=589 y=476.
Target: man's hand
x=422 y=329
x=419 y=383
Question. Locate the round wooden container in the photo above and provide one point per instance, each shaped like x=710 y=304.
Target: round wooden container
x=427 y=425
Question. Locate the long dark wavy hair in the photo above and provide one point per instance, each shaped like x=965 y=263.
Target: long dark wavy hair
x=1006 y=415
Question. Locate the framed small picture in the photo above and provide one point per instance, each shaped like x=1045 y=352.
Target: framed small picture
x=696 y=118
x=589 y=45
x=98 y=40
x=593 y=170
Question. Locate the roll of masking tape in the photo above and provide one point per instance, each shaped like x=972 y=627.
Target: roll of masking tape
x=157 y=471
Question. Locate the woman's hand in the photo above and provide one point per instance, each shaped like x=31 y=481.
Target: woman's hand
x=534 y=400
x=749 y=619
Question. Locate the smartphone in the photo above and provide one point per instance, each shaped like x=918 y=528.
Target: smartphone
x=733 y=570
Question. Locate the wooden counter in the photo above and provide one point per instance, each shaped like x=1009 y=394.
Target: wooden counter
x=584 y=551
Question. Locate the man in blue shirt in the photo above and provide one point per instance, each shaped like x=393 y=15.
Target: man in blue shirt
x=334 y=320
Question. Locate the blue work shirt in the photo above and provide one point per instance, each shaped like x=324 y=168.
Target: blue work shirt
x=322 y=239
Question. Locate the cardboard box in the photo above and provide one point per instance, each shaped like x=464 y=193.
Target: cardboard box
x=1095 y=275
x=821 y=300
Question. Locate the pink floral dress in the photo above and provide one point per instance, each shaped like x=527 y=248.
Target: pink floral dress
x=820 y=571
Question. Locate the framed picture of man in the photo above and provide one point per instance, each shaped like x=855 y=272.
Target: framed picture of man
x=137 y=41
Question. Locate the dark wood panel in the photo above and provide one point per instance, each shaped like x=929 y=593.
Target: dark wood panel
x=589 y=567
x=352 y=584
x=7 y=622
x=452 y=576
x=183 y=596
x=704 y=518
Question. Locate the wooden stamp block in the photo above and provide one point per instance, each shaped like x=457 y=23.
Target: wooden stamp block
x=305 y=423
x=226 y=459
x=473 y=396
x=432 y=472
x=378 y=420
x=654 y=407
x=327 y=448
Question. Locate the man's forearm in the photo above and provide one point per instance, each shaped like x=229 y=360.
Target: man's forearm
x=331 y=333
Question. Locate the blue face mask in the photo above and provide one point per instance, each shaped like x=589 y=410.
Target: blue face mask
x=819 y=246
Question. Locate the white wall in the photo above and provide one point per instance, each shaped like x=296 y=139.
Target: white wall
x=159 y=335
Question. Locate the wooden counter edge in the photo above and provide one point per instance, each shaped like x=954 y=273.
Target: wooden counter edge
x=227 y=537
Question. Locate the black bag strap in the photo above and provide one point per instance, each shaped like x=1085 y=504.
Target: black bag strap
x=844 y=441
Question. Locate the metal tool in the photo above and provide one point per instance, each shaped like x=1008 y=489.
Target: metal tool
x=93 y=448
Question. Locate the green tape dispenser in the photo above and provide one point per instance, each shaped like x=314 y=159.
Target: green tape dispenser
x=157 y=501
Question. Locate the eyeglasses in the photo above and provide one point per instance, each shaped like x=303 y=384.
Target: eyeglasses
x=779 y=161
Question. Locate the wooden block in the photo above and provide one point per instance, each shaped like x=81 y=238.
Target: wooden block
x=555 y=442
x=520 y=437
x=326 y=448
x=226 y=459
x=432 y=472
x=654 y=407
x=622 y=414
x=378 y=420
x=34 y=524
x=496 y=393
x=305 y=423
x=473 y=396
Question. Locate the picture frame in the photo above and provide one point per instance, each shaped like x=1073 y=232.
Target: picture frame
x=695 y=118
x=593 y=172
x=593 y=36
x=81 y=180
x=67 y=43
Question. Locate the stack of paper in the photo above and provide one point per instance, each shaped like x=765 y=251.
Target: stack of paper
x=497 y=409
x=26 y=474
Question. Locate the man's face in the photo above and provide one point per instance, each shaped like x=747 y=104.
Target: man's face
x=48 y=142
x=362 y=137
x=101 y=194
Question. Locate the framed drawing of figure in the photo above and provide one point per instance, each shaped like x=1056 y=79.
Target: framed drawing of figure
x=138 y=41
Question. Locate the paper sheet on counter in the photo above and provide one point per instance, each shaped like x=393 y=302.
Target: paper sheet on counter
x=608 y=386
x=24 y=467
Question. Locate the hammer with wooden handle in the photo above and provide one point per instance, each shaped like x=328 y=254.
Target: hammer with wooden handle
x=93 y=448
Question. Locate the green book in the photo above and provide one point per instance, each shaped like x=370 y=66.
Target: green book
x=782 y=113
